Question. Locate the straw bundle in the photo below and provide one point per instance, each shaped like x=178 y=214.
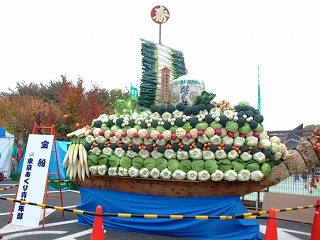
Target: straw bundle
x=300 y=158
x=279 y=173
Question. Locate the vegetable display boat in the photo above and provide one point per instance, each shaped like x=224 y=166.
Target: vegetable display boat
x=175 y=139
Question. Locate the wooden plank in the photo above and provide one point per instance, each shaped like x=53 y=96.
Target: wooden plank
x=282 y=201
x=173 y=188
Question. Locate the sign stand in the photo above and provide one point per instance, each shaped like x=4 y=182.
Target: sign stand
x=38 y=131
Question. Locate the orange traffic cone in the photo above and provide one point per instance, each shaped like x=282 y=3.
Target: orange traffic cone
x=271 y=231
x=97 y=230
x=315 y=231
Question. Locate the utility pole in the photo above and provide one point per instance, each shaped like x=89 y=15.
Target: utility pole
x=259 y=97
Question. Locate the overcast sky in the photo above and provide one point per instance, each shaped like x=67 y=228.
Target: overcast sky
x=223 y=43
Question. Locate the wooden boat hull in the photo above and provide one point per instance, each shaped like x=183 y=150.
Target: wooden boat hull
x=301 y=158
x=174 y=188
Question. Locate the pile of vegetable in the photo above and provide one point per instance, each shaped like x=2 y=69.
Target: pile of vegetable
x=206 y=141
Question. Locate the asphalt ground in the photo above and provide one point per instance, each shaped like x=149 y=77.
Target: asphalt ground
x=58 y=227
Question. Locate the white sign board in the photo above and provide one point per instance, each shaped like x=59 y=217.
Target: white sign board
x=33 y=180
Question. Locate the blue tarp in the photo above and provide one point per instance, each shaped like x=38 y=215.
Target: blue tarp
x=122 y=202
x=2 y=133
x=62 y=148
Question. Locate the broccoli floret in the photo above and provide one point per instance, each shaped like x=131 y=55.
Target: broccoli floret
x=244 y=148
x=202 y=106
x=170 y=108
x=135 y=148
x=154 y=123
x=253 y=124
x=241 y=121
x=143 y=125
x=249 y=113
x=254 y=150
x=186 y=147
x=227 y=148
x=213 y=148
x=271 y=163
x=131 y=123
x=167 y=125
x=110 y=123
x=154 y=108
x=193 y=121
x=162 y=109
x=252 y=109
x=175 y=147
x=223 y=120
x=208 y=118
x=149 y=148
x=267 y=152
x=195 y=109
x=98 y=123
x=258 y=118
x=179 y=122
x=199 y=145
x=187 y=110
x=161 y=148
x=87 y=146
x=180 y=106
x=119 y=121
x=241 y=113
x=113 y=146
x=101 y=146
x=124 y=146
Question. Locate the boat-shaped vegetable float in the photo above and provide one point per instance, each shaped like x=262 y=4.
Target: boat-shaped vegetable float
x=176 y=139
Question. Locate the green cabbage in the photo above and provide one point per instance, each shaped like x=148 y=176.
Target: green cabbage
x=103 y=159
x=150 y=129
x=224 y=165
x=137 y=127
x=173 y=128
x=173 y=164
x=114 y=161
x=161 y=163
x=150 y=163
x=126 y=128
x=160 y=129
x=232 y=126
x=92 y=159
x=202 y=126
x=187 y=127
x=215 y=125
x=211 y=166
x=125 y=162
x=245 y=129
x=137 y=162
x=238 y=164
x=185 y=165
x=252 y=166
x=104 y=127
x=114 y=128
x=265 y=169
x=259 y=128
x=197 y=165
